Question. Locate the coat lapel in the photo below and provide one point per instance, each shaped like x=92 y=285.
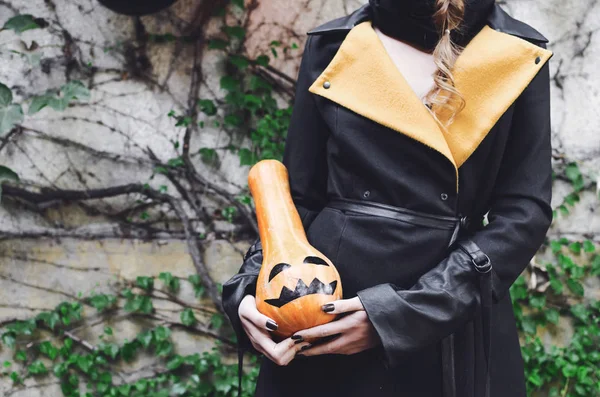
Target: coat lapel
x=491 y=72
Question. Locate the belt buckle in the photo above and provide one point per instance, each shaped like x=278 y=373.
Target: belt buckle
x=484 y=267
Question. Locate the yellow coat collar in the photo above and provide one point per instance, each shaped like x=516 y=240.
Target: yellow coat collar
x=491 y=72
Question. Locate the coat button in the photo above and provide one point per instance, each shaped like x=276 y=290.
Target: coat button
x=537 y=60
x=444 y=196
x=326 y=84
x=366 y=194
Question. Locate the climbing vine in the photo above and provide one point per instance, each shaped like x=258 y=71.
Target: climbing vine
x=48 y=345
x=550 y=295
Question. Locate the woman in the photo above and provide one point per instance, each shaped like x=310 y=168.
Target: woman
x=392 y=186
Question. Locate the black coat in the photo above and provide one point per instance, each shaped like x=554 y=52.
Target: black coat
x=359 y=132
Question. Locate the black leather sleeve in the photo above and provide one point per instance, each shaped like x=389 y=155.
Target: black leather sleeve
x=520 y=214
x=305 y=159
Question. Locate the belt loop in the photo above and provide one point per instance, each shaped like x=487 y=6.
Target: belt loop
x=454 y=234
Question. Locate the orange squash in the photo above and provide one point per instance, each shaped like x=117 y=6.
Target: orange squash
x=295 y=279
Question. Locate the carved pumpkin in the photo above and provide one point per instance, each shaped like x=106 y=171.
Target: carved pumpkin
x=295 y=279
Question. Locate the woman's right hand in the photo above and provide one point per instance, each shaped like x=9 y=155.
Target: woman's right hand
x=257 y=327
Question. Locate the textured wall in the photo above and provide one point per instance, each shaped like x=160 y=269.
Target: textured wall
x=52 y=252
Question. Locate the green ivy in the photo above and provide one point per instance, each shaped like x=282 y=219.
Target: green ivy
x=76 y=364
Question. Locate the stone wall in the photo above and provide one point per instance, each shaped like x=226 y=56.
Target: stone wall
x=58 y=248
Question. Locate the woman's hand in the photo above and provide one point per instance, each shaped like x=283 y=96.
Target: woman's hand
x=355 y=329
x=257 y=327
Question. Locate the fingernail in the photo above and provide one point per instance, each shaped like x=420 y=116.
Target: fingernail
x=272 y=325
x=299 y=341
x=328 y=307
x=296 y=337
x=305 y=347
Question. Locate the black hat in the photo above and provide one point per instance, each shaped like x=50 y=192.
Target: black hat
x=412 y=21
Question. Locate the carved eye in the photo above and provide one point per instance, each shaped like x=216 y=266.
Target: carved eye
x=278 y=268
x=315 y=260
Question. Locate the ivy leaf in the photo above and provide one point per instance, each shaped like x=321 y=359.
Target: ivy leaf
x=25 y=327
x=50 y=319
x=247 y=157
x=217 y=44
x=198 y=287
x=595 y=265
x=128 y=350
x=589 y=246
x=178 y=389
x=15 y=377
x=102 y=302
x=170 y=281
x=161 y=333
x=262 y=60
x=572 y=171
x=207 y=106
x=10 y=116
x=232 y=120
x=145 y=338
x=21 y=23
x=235 y=31
x=20 y=355
x=188 y=318
x=239 y=61
x=208 y=155
x=145 y=283
x=216 y=321
x=575 y=247
x=37 y=368
x=48 y=349
x=229 y=83
x=5 y=95
x=529 y=325
x=575 y=286
x=39 y=102
x=6 y=174
x=175 y=363
x=73 y=90
x=125 y=390
x=163 y=348
x=552 y=315
x=538 y=302
x=238 y=3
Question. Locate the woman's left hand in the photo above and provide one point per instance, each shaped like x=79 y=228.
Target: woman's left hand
x=355 y=329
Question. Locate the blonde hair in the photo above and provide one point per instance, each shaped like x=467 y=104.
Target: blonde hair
x=444 y=97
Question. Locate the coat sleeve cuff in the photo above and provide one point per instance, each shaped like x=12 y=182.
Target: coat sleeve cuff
x=375 y=301
x=234 y=291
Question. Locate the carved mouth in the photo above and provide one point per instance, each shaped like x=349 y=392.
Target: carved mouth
x=316 y=287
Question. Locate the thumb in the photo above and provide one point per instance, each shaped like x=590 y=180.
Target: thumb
x=257 y=318
x=343 y=306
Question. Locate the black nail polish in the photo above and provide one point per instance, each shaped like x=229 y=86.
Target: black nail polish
x=271 y=325
x=299 y=341
x=328 y=307
x=305 y=347
x=296 y=337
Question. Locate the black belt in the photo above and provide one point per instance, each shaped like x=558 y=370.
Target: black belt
x=459 y=224
x=481 y=262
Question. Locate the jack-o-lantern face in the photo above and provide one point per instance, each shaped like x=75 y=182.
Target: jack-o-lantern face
x=295 y=279
x=292 y=293
x=301 y=289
